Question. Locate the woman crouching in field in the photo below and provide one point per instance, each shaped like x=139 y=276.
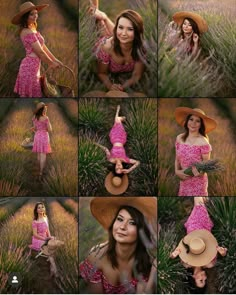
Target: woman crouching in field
x=123 y=265
x=183 y=33
x=120 y=50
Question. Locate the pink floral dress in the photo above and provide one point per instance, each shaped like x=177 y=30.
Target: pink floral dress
x=118 y=135
x=199 y=219
x=42 y=230
x=93 y=275
x=187 y=155
x=106 y=58
x=28 y=78
x=41 y=137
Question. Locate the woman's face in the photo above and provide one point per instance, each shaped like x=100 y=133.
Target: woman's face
x=200 y=278
x=187 y=27
x=124 y=228
x=118 y=167
x=125 y=30
x=40 y=209
x=194 y=123
x=33 y=16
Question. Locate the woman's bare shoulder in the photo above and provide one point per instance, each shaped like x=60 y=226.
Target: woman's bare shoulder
x=97 y=253
x=179 y=138
x=25 y=32
x=202 y=140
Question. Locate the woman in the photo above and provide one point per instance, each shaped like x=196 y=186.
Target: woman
x=192 y=146
x=123 y=264
x=198 y=249
x=41 y=128
x=186 y=38
x=28 y=79
x=41 y=232
x=120 y=50
x=117 y=155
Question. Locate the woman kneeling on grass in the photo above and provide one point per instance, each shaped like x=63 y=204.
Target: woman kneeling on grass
x=120 y=49
x=122 y=264
x=198 y=249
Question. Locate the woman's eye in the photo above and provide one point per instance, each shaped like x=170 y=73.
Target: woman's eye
x=132 y=222
x=130 y=29
x=119 y=219
x=120 y=27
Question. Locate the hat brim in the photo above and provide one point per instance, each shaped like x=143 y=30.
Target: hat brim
x=116 y=190
x=180 y=16
x=105 y=209
x=181 y=114
x=205 y=257
x=16 y=19
x=38 y=108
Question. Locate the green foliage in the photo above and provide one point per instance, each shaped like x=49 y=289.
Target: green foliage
x=92 y=117
x=171 y=273
x=168 y=209
x=141 y=128
x=92 y=167
x=222 y=211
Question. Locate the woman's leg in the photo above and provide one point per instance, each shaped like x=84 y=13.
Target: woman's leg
x=42 y=162
x=118 y=119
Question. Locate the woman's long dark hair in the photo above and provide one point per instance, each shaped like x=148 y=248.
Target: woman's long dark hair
x=36 y=208
x=202 y=129
x=137 y=22
x=142 y=258
x=39 y=113
x=194 y=27
x=24 y=21
x=192 y=285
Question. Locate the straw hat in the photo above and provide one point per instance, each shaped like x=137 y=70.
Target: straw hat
x=24 y=8
x=202 y=248
x=180 y=16
x=105 y=209
x=116 y=185
x=116 y=93
x=39 y=106
x=181 y=114
x=51 y=247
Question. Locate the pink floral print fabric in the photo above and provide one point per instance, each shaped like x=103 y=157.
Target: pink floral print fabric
x=93 y=275
x=28 y=78
x=41 y=137
x=187 y=156
x=42 y=230
x=106 y=58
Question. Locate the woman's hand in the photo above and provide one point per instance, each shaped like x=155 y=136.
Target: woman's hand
x=175 y=253
x=125 y=171
x=182 y=175
x=116 y=87
x=195 y=171
x=100 y=15
x=195 y=38
x=221 y=250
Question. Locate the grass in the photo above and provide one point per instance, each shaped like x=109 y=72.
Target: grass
x=213 y=73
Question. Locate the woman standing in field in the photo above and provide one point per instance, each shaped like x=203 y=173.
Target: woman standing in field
x=120 y=50
x=28 y=79
x=198 y=249
x=192 y=146
x=41 y=127
x=41 y=232
x=186 y=38
x=123 y=264
x=117 y=155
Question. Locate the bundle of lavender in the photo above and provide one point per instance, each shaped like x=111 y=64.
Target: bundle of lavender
x=206 y=166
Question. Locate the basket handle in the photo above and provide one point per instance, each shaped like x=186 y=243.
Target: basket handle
x=64 y=66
